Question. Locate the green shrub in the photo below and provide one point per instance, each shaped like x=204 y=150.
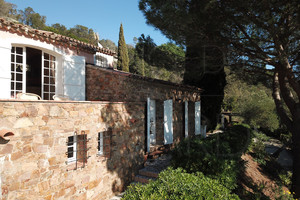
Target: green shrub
x=177 y=184
x=217 y=156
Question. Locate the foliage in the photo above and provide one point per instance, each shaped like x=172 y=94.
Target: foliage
x=108 y=44
x=193 y=24
x=257 y=149
x=161 y=62
x=123 y=60
x=252 y=101
x=217 y=156
x=177 y=184
x=7 y=9
x=144 y=48
x=261 y=37
x=169 y=56
x=33 y=19
x=83 y=32
x=286 y=177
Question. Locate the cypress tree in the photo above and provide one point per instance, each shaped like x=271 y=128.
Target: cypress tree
x=123 y=60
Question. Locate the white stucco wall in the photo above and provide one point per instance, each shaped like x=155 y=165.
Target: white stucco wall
x=63 y=55
x=109 y=58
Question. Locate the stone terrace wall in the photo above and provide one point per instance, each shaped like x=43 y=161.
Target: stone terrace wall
x=33 y=163
x=109 y=85
x=104 y=84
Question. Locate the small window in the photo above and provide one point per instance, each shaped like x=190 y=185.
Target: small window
x=100 y=143
x=100 y=61
x=72 y=149
x=104 y=143
x=77 y=150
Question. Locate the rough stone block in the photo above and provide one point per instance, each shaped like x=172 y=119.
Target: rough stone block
x=7 y=149
x=39 y=148
x=23 y=123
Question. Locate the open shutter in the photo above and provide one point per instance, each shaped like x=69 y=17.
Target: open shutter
x=186 y=119
x=107 y=143
x=197 y=118
x=5 y=76
x=168 y=121
x=74 y=77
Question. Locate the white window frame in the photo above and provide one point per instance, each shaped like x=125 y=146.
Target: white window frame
x=72 y=145
x=14 y=72
x=25 y=69
x=100 y=144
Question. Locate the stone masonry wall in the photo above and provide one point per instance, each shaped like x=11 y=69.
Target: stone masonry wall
x=110 y=85
x=104 y=84
x=33 y=163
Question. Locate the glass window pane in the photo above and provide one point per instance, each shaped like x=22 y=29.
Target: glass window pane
x=19 y=59
x=19 y=50
x=12 y=76
x=70 y=140
x=46 y=56
x=18 y=86
x=46 y=72
x=46 y=88
x=19 y=68
x=52 y=58
x=13 y=49
x=12 y=67
x=52 y=89
x=12 y=58
x=52 y=81
x=19 y=77
x=46 y=80
x=70 y=152
x=46 y=64
x=46 y=96
x=12 y=86
x=52 y=72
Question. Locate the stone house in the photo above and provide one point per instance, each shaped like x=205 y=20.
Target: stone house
x=51 y=61
x=90 y=146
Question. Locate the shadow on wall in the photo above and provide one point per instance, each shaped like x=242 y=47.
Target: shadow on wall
x=125 y=139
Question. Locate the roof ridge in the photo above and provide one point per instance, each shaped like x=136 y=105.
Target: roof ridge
x=49 y=36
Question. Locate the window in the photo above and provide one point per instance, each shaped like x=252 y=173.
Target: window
x=49 y=77
x=32 y=71
x=77 y=150
x=72 y=149
x=17 y=66
x=100 y=61
x=104 y=143
x=100 y=143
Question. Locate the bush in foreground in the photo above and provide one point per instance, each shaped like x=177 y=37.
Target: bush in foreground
x=178 y=184
x=217 y=156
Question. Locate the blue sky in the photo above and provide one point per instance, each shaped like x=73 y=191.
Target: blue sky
x=104 y=16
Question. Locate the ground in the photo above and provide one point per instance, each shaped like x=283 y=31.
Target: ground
x=256 y=182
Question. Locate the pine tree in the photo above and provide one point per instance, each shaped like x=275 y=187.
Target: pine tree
x=123 y=60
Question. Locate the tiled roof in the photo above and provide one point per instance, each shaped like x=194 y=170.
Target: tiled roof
x=50 y=37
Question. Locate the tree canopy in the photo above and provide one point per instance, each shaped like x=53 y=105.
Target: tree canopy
x=123 y=60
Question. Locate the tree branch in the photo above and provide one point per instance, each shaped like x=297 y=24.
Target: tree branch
x=279 y=104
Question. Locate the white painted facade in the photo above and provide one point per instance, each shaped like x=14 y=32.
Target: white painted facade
x=70 y=68
x=103 y=60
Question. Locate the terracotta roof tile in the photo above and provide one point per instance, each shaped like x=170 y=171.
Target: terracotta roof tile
x=50 y=37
